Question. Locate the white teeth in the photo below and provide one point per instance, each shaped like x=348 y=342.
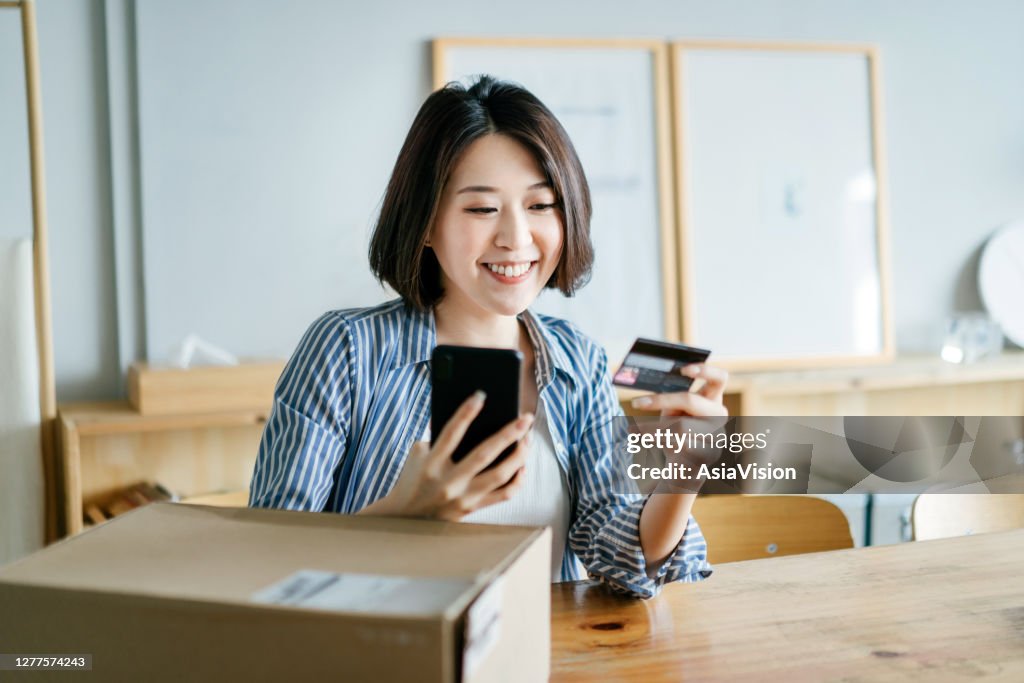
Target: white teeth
x=509 y=271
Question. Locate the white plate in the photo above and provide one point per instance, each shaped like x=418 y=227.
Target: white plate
x=1001 y=280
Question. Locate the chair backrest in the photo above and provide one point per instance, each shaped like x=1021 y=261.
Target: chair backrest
x=748 y=527
x=942 y=515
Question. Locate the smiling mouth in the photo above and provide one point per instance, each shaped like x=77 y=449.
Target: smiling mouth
x=510 y=272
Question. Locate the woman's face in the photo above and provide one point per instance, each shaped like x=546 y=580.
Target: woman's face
x=498 y=233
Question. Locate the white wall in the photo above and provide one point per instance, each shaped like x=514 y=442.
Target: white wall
x=267 y=130
x=78 y=185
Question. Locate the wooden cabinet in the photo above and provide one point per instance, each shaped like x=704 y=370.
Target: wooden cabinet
x=909 y=386
x=913 y=385
x=107 y=446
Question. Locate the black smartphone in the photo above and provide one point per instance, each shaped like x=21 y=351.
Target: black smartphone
x=654 y=365
x=456 y=372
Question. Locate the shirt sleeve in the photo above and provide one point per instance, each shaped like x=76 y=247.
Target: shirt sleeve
x=306 y=433
x=605 y=533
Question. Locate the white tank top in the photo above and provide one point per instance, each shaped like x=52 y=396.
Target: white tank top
x=542 y=501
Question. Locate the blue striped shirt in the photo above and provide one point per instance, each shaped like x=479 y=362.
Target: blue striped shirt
x=355 y=396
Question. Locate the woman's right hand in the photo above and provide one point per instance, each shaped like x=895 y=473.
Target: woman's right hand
x=432 y=485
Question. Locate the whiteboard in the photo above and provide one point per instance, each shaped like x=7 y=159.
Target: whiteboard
x=782 y=239
x=606 y=97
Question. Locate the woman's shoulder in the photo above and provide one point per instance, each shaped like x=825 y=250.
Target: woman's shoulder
x=395 y=310
x=388 y=317
x=361 y=331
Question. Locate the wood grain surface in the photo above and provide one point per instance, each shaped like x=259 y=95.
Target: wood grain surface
x=950 y=609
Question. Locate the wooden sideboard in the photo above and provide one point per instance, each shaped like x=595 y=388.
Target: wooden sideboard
x=107 y=446
x=911 y=385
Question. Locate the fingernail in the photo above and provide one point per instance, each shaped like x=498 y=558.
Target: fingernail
x=479 y=396
x=642 y=402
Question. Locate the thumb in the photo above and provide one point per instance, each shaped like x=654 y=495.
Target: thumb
x=419 y=449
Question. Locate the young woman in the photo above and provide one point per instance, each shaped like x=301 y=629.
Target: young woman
x=487 y=205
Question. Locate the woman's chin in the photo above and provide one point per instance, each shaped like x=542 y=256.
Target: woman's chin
x=511 y=311
x=509 y=307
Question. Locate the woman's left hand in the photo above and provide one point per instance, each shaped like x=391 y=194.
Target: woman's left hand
x=705 y=402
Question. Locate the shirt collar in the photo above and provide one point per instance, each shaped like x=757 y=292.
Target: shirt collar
x=549 y=353
x=420 y=338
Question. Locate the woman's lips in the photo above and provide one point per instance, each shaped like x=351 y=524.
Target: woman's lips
x=510 y=273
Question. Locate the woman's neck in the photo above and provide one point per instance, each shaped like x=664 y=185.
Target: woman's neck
x=475 y=328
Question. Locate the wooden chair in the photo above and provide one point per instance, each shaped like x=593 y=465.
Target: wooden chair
x=749 y=527
x=942 y=515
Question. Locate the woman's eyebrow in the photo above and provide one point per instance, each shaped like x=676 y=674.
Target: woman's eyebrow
x=477 y=188
x=494 y=190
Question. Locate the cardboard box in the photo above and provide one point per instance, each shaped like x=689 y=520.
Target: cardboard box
x=174 y=391
x=173 y=592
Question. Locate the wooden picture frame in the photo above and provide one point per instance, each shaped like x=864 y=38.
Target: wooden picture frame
x=576 y=78
x=781 y=197
x=40 y=263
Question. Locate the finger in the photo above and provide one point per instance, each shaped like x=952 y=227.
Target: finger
x=681 y=403
x=452 y=433
x=715 y=379
x=500 y=475
x=697 y=405
x=478 y=497
x=490 y=448
x=505 y=492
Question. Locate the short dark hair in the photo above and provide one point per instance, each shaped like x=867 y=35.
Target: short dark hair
x=449 y=121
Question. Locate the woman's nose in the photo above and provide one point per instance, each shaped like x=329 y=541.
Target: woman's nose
x=513 y=230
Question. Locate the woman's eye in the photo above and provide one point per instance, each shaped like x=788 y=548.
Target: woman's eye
x=482 y=210
x=543 y=207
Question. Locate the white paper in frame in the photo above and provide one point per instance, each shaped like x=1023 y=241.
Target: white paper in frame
x=781 y=197
x=612 y=98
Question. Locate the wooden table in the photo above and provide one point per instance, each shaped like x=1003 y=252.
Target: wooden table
x=951 y=609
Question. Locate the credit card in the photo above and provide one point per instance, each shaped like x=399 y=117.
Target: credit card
x=653 y=365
